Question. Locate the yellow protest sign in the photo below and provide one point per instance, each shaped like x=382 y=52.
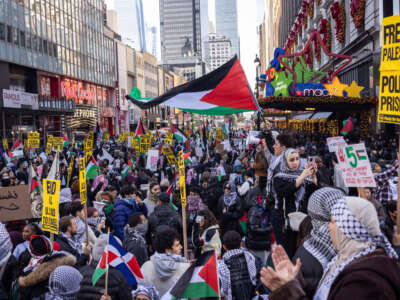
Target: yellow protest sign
x=389 y=97
x=82 y=180
x=91 y=135
x=390 y=58
x=144 y=143
x=71 y=165
x=169 y=155
x=5 y=144
x=34 y=142
x=33 y=135
x=168 y=138
x=26 y=145
x=49 y=144
x=182 y=183
x=219 y=135
x=51 y=195
x=58 y=143
x=106 y=137
x=136 y=145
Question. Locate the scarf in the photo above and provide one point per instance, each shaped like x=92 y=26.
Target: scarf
x=194 y=203
x=231 y=198
x=108 y=208
x=147 y=290
x=73 y=242
x=130 y=201
x=64 y=284
x=319 y=209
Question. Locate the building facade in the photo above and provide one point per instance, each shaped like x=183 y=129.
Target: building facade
x=55 y=60
x=226 y=22
x=217 y=51
x=131 y=24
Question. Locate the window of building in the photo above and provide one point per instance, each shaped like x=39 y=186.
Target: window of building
x=387 y=8
x=2 y=32
x=9 y=34
x=22 y=37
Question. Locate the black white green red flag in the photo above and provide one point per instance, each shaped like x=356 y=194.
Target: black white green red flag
x=221 y=92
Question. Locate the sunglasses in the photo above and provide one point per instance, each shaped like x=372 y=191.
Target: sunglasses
x=227 y=187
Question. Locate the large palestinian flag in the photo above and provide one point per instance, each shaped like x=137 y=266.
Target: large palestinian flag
x=199 y=281
x=221 y=92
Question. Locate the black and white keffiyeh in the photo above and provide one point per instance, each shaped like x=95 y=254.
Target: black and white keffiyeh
x=147 y=290
x=353 y=229
x=319 y=209
x=224 y=273
x=64 y=284
x=5 y=244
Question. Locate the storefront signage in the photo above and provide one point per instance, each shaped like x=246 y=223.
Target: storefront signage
x=71 y=90
x=107 y=112
x=15 y=99
x=389 y=95
x=85 y=112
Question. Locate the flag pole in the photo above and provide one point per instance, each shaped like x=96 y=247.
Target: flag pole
x=106 y=278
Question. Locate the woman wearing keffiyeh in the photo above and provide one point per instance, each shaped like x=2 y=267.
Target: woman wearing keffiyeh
x=364 y=268
x=293 y=185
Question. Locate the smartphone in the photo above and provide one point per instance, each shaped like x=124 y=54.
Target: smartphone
x=199 y=219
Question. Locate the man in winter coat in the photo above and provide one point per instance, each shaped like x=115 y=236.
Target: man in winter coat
x=237 y=269
x=118 y=286
x=68 y=243
x=259 y=228
x=167 y=265
x=135 y=237
x=163 y=217
x=124 y=207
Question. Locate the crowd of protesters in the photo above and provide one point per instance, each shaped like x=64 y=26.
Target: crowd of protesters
x=274 y=209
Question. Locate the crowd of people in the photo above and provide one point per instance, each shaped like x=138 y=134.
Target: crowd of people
x=275 y=210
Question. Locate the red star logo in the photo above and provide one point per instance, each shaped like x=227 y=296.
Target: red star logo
x=298 y=93
x=314 y=35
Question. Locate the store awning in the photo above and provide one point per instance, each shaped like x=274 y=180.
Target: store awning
x=321 y=115
x=303 y=116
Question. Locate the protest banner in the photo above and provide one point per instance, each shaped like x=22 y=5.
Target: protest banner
x=14 y=203
x=169 y=136
x=5 y=144
x=355 y=166
x=182 y=190
x=152 y=159
x=169 y=155
x=82 y=180
x=51 y=196
x=334 y=142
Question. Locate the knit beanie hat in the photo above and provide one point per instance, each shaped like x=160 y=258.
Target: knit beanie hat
x=40 y=245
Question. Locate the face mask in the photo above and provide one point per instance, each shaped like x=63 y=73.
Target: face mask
x=142 y=228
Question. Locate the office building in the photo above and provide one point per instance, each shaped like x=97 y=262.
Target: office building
x=226 y=22
x=217 y=51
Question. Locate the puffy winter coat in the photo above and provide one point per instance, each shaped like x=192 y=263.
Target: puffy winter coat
x=257 y=238
x=164 y=216
x=34 y=284
x=136 y=244
x=122 y=211
x=229 y=215
x=118 y=286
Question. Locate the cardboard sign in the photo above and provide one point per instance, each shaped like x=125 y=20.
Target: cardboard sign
x=182 y=182
x=355 y=166
x=82 y=180
x=14 y=203
x=168 y=138
x=58 y=143
x=334 y=142
x=169 y=155
x=51 y=196
x=5 y=144
x=152 y=159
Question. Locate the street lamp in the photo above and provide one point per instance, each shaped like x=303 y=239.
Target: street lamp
x=257 y=64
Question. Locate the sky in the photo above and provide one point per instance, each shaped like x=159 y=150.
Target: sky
x=248 y=17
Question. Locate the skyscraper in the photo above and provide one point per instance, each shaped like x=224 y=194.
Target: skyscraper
x=131 y=22
x=226 y=22
x=180 y=34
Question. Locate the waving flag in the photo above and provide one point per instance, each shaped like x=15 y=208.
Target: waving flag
x=92 y=169
x=128 y=167
x=178 y=135
x=17 y=145
x=120 y=259
x=221 y=92
x=139 y=129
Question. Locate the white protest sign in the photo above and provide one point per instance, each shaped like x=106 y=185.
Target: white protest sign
x=334 y=142
x=355 y=166
x=152 y=159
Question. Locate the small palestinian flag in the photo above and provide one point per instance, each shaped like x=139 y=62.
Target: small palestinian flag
x=223 y=91
x=17 y=145
x=242 y=222
x=347 y=126
x=186 y=158
x=199 y=281
x=225 y=128
x=178 y=135
x=92 y=169
x=125 y=171
x=65 y=141
x=139 y=129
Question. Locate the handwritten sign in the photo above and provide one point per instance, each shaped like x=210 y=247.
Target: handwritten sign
x=168 y=138
x=355 y=166
x=82 y=180
x=14 y=203
x=169 y=155
x=182 y=183
x=5 y=144
x=51 y=197
x=152 y=159
x=334 y=142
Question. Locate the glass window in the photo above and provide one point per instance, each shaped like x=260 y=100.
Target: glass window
x=9 y=34
x=2 y=32
x=22 y=36
x=28 y=40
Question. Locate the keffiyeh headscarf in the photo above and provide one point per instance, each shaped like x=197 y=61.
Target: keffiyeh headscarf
x=147 y=290
x=5 y=244
x=230 y=199
x=39 y=248
x=194 y=203
x=319 y=209
x=357 y=234
x=64 y=284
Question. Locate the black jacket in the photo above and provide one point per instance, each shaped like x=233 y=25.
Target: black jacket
x=81 y=259
x=250 y=199
x=257 y=238
x=136 y=244
x=211 y=195
x=118 y=286
x=35 y=283
x=164 y=216
x=229 y=215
